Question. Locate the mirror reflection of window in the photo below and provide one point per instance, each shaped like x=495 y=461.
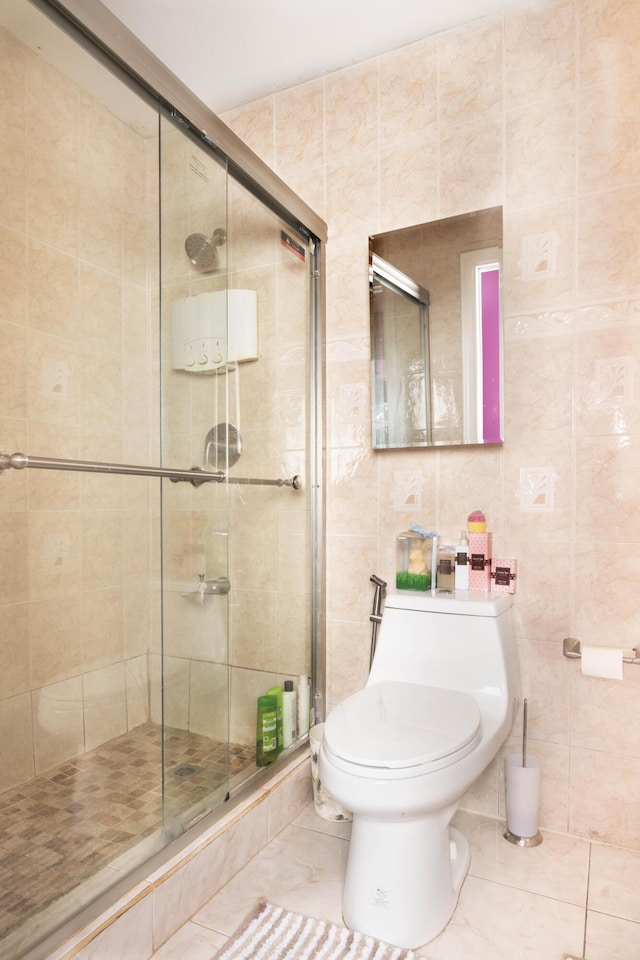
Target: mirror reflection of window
x=458 y=261
x=400 y=358
x=481 y=344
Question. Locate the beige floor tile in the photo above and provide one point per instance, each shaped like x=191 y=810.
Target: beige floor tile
x=512 y=904
x=613 y=883
x=301 y=870
x=494 y=922
x=558 y=868
x=609 y=938
x=193 y=941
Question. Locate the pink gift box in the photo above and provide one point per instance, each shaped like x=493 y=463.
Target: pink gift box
x=480 y=561
x=503 y=575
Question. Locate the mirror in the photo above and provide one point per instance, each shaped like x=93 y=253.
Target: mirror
x=436 y=332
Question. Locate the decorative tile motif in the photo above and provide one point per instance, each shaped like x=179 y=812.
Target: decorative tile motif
x=406 y=493
x=612 y=385
x=539 y=255
x=608 y=314
x=537 y=488
x=348 y=421
x=549 y=323
x=87 y=812
x=353 y=403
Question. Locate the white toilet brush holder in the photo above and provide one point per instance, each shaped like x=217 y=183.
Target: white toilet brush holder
x=522 y=784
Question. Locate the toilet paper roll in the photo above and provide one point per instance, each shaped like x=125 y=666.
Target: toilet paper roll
x=602 y=662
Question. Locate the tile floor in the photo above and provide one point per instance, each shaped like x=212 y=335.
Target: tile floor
x=565 y=897
x=89 y=811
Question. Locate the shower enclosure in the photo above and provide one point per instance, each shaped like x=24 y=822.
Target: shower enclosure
x=160 y=481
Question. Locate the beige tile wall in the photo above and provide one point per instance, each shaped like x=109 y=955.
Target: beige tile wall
x=78 y=382
x=537 y=110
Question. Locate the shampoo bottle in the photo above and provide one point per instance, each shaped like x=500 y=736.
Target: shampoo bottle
x=277 y=693
x=289 y=713
x=266 y=731
x=462 y=563
x=446 y=567
x=303 y=706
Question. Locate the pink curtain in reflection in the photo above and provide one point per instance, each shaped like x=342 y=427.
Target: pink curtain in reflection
x=490 y=292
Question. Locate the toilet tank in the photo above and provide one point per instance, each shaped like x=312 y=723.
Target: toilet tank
x=462 y=642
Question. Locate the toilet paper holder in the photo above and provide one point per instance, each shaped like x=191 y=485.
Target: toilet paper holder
x=571 y=648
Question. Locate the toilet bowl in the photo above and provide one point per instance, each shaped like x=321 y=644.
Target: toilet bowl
x=402 y=752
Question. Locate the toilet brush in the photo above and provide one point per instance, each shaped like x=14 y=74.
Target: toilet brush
x=522 y=783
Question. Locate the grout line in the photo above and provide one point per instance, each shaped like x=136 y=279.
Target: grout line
x=586 y=905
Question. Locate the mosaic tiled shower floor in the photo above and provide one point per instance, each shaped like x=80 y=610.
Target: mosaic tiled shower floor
x=61 y=828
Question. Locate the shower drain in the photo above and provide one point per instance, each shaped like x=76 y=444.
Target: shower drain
x=185 y=770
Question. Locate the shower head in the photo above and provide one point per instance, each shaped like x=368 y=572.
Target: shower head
x=202 y=251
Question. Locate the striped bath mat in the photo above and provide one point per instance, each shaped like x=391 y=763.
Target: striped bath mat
x=272 y=933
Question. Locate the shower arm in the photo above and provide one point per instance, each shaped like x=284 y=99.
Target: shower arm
x=195 y=476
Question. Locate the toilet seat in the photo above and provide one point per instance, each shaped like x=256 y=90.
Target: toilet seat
x=395 y=728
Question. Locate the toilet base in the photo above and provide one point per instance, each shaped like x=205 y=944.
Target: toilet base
x=403 y=878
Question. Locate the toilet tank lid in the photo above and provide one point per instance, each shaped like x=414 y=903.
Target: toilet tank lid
x=461 y=602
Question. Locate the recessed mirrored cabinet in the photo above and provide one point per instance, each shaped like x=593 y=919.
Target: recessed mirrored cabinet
x=436 y=332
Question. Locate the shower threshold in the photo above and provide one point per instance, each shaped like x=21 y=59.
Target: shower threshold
x=67 y=834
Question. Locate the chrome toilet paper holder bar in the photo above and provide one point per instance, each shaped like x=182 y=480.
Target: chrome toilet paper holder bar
x=572 y=648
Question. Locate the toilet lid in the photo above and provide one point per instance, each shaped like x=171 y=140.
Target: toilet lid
x=393 y=724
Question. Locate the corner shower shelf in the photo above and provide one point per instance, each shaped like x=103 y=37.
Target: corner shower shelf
x=195 y=476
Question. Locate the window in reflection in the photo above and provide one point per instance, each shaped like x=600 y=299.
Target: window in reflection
x=401 y=394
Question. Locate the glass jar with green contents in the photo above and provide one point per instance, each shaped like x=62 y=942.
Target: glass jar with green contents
x=414 y=560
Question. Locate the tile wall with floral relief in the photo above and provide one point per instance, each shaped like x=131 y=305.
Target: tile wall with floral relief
x=537 y=110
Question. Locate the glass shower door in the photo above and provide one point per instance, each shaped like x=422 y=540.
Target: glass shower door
x=141 y=614
x=192 y=664
x=271 y=545
x=237 y=557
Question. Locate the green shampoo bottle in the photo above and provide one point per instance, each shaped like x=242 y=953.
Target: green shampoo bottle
x=277 y=693
x=266 y=731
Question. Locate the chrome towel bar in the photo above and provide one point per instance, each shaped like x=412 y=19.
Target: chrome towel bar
x=572 y=648
x=195 y=476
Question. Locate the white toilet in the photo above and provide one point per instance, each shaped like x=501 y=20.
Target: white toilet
x=401 y=753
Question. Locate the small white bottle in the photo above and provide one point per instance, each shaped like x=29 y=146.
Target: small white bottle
x=289 y=713
x=303 y=707
x=462 y=563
